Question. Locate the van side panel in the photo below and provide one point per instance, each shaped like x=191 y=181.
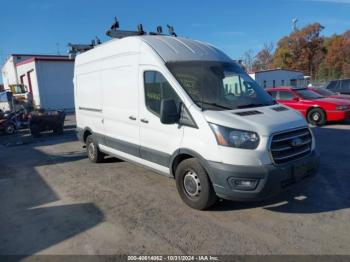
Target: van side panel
x=119 y=75
x=120 y=105
x=88 y=99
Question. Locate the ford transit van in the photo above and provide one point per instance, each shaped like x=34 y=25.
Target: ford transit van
x=186 y=110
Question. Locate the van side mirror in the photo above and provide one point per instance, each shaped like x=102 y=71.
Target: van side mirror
x=296 y=99
x=168 y=112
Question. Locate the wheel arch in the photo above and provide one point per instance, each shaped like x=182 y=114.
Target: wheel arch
x=183 y=154
x=316 y=107
x=86 y=132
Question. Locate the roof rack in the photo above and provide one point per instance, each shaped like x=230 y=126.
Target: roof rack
x=74 y=49
x=114 y=31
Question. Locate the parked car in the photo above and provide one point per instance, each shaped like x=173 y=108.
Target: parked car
x=7 y=122
x=186 y=110
x=316 y=108
x=341 y=86
x=328 y=93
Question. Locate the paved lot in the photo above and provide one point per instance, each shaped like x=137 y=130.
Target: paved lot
x=54 y=201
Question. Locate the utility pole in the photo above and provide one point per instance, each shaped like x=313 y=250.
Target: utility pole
x=294 y=24
x=58 y=48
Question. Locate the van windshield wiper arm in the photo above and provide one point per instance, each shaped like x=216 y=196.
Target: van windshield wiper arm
x=213 y=104
x=251 y=105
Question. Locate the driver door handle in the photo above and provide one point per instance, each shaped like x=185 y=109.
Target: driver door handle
x=143 y=120
x=132 y=118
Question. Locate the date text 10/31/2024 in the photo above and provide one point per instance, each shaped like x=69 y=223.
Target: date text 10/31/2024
x=173 y=258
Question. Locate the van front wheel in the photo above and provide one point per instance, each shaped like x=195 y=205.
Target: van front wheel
x=193 y=185
x=93 y=152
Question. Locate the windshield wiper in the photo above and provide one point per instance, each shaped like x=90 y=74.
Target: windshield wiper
x=213 y=104
x=273 y=102
x=251 y=105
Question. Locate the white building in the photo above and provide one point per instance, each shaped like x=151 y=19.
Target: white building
x=279 y=77
x=48 y=77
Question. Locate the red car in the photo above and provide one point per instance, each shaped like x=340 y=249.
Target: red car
x=316 y=109
x=328 y=93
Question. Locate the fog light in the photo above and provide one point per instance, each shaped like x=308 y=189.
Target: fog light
x=243 y=184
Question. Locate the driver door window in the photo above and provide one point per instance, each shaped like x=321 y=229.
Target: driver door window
x=157 y=88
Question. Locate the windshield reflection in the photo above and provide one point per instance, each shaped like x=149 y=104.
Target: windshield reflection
x=219 y=86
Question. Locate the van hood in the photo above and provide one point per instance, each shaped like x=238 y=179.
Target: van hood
x=262 y=120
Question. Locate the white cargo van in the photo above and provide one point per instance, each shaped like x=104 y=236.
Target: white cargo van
x=186 y=110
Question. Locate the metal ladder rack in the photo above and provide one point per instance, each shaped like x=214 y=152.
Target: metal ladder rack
x=74 y=49
x=114 y=32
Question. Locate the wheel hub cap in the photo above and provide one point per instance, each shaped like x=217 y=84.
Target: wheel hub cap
x=316 y=117
x=10 y=129
x=91 y=150
x=192 y=184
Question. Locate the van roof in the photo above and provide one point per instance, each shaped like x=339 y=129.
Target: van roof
x=168 y=48
x=172 y=49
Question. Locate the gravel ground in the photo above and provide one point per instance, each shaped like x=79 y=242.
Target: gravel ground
x=54 y=201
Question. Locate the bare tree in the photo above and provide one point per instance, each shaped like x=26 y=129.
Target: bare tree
x=264 y=58
x=248 y=60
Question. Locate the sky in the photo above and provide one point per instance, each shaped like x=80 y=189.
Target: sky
x=46 y=26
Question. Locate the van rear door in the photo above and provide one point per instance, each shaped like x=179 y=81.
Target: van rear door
x=157 y=141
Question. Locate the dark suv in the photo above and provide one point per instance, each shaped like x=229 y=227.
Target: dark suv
x=339 y=86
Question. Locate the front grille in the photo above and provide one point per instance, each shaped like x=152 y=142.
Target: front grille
x=291 y=145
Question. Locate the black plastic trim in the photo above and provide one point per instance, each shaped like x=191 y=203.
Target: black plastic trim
x=155 y=156
x=148 y=154
x=90 y=109
x=123 y=146
x=186 y=118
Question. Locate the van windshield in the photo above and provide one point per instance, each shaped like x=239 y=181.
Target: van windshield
x=219 y=86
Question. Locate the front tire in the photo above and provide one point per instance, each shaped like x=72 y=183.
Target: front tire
x=10 y=129
x=58 y=130
x=317 y=117
x=193 y=185
x=93 y=152
x=35 y=130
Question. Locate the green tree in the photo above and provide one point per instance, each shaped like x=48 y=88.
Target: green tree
x=302 y=50
x=338 y=56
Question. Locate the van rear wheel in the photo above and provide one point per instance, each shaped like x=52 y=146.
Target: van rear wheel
x=93 y=152
x=193 y=185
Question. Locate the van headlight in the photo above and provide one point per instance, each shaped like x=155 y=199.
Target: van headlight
x=230 y=137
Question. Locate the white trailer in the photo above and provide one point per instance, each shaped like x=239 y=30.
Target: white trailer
x=49 y=79
x=279 y=77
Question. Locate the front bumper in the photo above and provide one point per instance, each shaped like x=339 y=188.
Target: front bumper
x=338 y=115
x=272 y=179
